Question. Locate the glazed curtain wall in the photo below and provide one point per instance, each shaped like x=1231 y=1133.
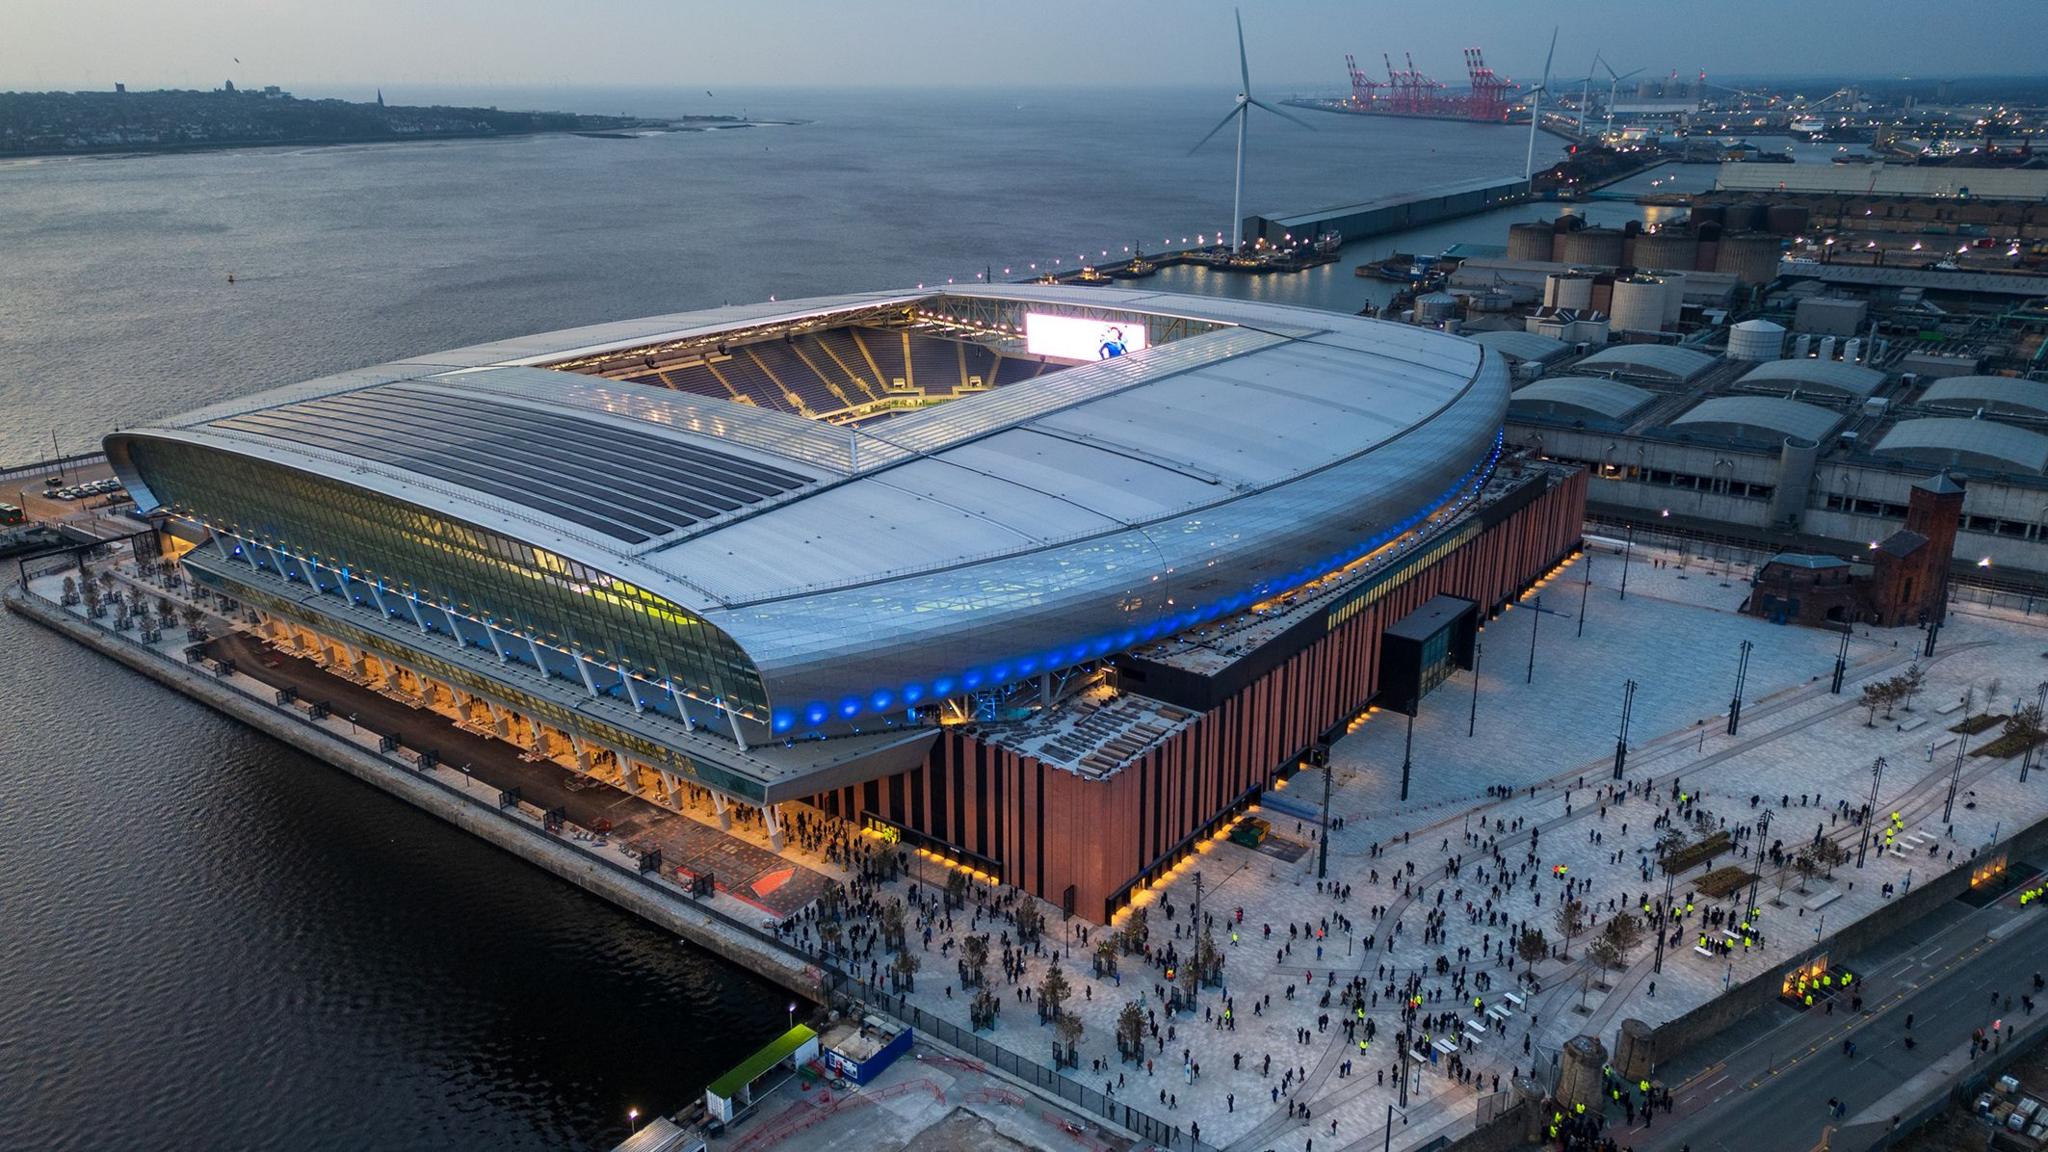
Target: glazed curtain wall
x=1049 y=828
x=522 y=589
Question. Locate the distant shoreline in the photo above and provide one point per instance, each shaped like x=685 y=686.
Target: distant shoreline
x=652 y=128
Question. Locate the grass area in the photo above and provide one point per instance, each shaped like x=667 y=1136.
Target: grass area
x=1978 y=723
x=1722 y=881
x=1698 y=853
x=2009 y=745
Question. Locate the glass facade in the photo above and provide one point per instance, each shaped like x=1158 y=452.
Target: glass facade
x=519 y=588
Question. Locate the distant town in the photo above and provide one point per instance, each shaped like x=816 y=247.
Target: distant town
x=57 y=123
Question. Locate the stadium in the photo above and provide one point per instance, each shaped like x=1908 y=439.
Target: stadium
x=1053 y=581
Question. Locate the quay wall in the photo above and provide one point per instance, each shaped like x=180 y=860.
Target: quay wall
x=612 y=882
x=1394 y=213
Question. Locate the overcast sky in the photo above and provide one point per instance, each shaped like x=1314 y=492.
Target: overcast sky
x=313 y=44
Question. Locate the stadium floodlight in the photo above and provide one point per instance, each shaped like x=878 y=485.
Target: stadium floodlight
x=1241 y=113
x=1613 y=86
x=1536 y=109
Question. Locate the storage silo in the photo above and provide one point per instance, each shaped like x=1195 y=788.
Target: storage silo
x=1802 y=346
x=1756 y=340
x=1638 y=304
x=1827 y=347
x=1787 y=219
x=1709 y=214
x=1852 y=352
x=1596 y=246
x=1529 y=240
x=1435 y=307
x=1674 y=296
x=1745 y=216
x=1751 y=256
x=1568 y=290
x=1671 y=248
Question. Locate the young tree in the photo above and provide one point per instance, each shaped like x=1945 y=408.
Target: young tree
x=984 y=1010
x=1134 y=933
x=974 y=962
x=1827 y=854
x=1030 y=920
x=1531 y=946
x=1067 y=1032
x=1130 y=1032
x=1053 y=992
x=1105 y=956
x=1807 y=864
x=1893 y=690
x=903 y=971
x=1872 y=698
x=956 y=889
x=1189 y=977
x=1208 y=959
x=70 y=589
x=165 y=608
x=1570 y=918
x=893 y=924
x=1625 y=933
x=192 y=616
x=1605 y=958
x=1915 y=678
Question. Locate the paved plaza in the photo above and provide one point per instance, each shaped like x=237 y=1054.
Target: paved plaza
x=1526 y=794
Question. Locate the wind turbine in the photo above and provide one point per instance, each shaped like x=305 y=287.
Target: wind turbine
x=1585 y=91
x=1241 y=113
x=1613 y=86
x=1536 y=109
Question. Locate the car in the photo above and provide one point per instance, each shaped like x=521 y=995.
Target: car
x=53 y=481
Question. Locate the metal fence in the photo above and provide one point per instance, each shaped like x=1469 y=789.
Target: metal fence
x=1146 y=1125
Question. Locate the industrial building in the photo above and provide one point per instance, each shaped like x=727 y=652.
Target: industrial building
x=1050 y=581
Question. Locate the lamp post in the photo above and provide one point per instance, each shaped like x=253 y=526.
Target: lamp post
x=1741 y=673
x=1955 y=776
x=1472 y=721
x=1535 y=621
x=1628 y=704
x=1842 y=659
x=1876 y=777
x=1407 y=749
x=1763 y=831
x=632 y=1121
x=1584 y=588
x=2040 y=709
x=1628 y=548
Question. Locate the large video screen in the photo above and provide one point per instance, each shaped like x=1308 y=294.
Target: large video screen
x=1079 y=338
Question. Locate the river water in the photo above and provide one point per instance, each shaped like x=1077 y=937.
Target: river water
x=209 y=941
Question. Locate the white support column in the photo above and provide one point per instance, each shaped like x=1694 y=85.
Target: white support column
x=1045 y=689
x=499 y=723
x=772 y=818
x=312 y=577
x=583 y=666
x=733 y=718
x=412 y=604
x=632 y=693
x=533 y=648
x=540 y=742
x=629 y=774
x=377 y=594
x=355 y=659
x=682 y=705
x=221 y=546
x=718 y=806
x=668 y=789
x=275 y=563
x=582 y=753
x=491 y=630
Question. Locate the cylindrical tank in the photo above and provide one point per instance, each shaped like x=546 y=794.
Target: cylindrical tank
x=1827 y=347
x=1671 y=249
x=1786 y=219
x=1632 y=228
x=1638 y=304
x=1568 y=290
x=1674 y=296
x=1709 y=232
x=1802 y=346
x=1567 y=223
x=1598 y=246
x=1756 y=340
x=1743 y=216
x=1796 y=460
x=1852 y=352
x=1435 y=307
x=1529 y=240
x=1703 y=214
x=1751 y=256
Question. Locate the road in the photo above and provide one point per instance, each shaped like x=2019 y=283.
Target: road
x=1764 y=1085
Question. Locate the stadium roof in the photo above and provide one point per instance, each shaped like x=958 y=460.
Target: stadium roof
x=1034 y=526
x=1805 y=372
x=1578 y=397
x=2006 y=394
x=1768 y=418
x=1662 y=361
x=1945 y=441
x=1522 y=345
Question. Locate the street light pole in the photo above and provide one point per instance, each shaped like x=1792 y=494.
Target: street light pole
x=1876 y=777
x=1407 y=750
x=1626 y=550
x=1584 y=588
x=1741 y=673
x=1763 y=831
x=1628 y=704
x=2040 y=709
x=1472 y=722
x=1842 y=660
x=1535 y=622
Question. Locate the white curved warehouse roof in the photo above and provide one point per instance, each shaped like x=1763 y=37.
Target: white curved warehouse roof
x=1659 y=360
x=1943 y=441
x=1994 y=393
x=1578 y=396
x=1522 y=345
x=1759 y=418
x=1803 y=372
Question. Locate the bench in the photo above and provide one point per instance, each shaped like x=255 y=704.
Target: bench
x=1822 y=900
x=1703 y=950
x=1498 y=1015
x=1444 y=1046
x=1950 y=708
x=1476 y=1024
x=1511 y=998
x=1915 y=722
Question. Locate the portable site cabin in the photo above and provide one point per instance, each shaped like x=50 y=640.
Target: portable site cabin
x=734 y=1091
